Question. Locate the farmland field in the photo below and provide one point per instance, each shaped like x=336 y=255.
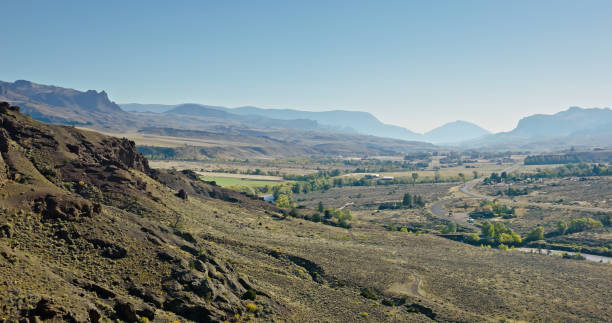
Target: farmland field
x=236 y=181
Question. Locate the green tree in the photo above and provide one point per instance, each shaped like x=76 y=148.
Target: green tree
x=283 y=201
x=561 y=227
x=475 y=173
x=418 y=201
x=407 y=200
x=472 y=238
x=488 y=230
x=451 y=227
x=535 y=234
x=414 y=177
x=320 y=207
x=462 y=176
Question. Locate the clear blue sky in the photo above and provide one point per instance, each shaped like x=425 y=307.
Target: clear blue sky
x=414 y=64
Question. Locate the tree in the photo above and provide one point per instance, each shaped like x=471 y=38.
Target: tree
x=327 y=213
x=561 y=227
x=462 y=176
x=320 y=208
x=451 y=227
x=414 y=177
x=283 y=201
x=535 y=234
x=475 y=174
x=407 y=200
x=418 y=201
x=472 y=238
x=488 y=230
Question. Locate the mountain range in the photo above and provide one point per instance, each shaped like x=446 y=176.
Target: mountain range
x=335 y=120
x=574 y=127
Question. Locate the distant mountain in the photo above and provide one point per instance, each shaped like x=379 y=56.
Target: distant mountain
x=575 y=127
x=154 y=108
x=456 y=131
x=93 y=109
x=575 y=120
x=357 y=121
x=222 y=114
x=335 y=120
x=63 y=106
x=200 y=111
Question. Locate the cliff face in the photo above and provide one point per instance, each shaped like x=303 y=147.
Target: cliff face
x=88 y=233
x=63 y=106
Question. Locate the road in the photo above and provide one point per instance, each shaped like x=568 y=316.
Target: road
x=467 y=189
x=438 y=210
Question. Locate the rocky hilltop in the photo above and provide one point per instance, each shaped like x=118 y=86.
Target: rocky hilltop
x=64 y=106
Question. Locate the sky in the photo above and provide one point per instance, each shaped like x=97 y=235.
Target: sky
x=417 y=64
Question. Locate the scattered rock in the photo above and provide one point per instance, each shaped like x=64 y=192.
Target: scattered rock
x=94 y=314
x=147 y=311
x=125 y=311
x=47 y=309
x=6 y=231
x=418 y=308
x=182 y=194
x=108 y=249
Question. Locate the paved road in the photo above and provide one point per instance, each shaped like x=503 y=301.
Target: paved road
x=467 y=189
x=438 y=210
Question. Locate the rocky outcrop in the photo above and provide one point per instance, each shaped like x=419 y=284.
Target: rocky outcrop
x=65 y=208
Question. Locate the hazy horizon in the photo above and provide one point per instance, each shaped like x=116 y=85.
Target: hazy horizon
x=416 y=65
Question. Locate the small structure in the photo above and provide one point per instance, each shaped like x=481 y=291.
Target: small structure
x=370 y=176
x=387 y=178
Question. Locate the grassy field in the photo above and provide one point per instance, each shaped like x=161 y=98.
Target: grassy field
x=282 y=166
x=233 y=181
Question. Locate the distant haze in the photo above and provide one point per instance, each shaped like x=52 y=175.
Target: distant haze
x=415 y=64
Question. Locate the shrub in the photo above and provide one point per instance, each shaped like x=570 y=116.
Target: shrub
x=535 y=234
x=250 y=295
x=369 y=294
x=576 y=256
x=451 y=227
x=387 y=302
x=251 y=307
x=472 y=238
